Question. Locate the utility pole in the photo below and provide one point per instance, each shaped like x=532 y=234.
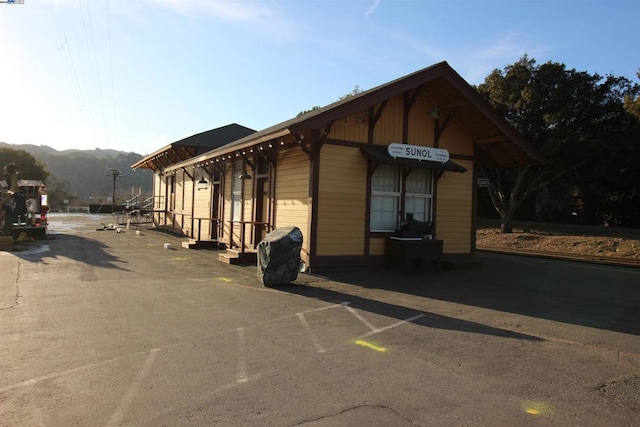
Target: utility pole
x=114 y=173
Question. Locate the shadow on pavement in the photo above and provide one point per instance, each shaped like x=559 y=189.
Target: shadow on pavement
x=430 y=320
x=548 y=290
x=76 y=247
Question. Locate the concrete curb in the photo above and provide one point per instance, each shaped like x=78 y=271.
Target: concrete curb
x=619 y=262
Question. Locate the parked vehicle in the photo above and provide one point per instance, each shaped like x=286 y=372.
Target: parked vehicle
x=30 y=207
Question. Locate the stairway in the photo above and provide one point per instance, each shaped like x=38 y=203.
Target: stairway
x=235 y=256
x=200 y=244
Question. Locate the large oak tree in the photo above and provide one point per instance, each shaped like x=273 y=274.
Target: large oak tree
x=579 y=123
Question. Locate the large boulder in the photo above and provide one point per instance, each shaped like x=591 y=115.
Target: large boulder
x=279 y=256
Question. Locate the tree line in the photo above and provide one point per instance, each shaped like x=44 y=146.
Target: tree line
x=586 y=125
x=78 y=177
x=588 y=128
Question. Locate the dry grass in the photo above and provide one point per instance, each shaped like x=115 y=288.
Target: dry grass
x=596 y=241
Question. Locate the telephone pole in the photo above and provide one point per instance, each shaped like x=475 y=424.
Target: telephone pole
x=115 y=174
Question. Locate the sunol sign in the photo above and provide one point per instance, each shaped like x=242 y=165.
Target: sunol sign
x=417 y=152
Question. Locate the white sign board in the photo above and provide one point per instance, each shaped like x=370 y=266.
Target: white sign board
x=483 y=182
x=417 y=152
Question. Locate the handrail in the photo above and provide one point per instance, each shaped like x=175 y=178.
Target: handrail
x=253 y=224
x=187 y=216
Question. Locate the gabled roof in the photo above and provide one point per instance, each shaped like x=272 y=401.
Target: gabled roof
x=193 y=145
x=497 y=140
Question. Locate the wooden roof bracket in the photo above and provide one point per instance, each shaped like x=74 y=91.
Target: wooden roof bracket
x=300 y=140
x=323 y=137
x=163 y=162
x=219 y=167
x=409 y=99
x=246 y=159
x=175 y=157
x=441 y=128
x=191 y=152
x=318 y=139
x=184 y=169
x=267 y=155
x=374 y=115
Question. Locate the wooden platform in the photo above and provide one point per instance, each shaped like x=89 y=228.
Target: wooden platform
x=236 y=256
x=200 y=244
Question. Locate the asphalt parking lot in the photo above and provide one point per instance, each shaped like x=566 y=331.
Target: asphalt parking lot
x=106 y=328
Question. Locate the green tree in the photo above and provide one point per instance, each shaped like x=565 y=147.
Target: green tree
x=29 y=167
x=356 y=90
x=576 y=119
x=58 y=191
x=631 y=104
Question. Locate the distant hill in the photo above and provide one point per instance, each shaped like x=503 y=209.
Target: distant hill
x=84 y=171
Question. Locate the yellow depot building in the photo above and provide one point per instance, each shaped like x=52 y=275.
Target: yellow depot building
x=378 y=174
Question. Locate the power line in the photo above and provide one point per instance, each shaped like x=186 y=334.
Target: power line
x=113 y=92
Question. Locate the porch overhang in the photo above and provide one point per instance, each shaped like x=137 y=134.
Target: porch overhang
x=187 y=148
x=163 y=157
x=228 y=150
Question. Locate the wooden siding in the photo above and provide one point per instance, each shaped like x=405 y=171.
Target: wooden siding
x=455 y=209
x=376 y=246
x=202 y=213
x=457 y=140
x=389 y=128
x=352 y=128
x=292 y=194
x=179 y=192
x=420 y=130
x=341 y=201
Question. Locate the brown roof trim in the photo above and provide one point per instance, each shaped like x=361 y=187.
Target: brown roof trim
x=364 y=100
x=210 y=139
x=150 y=157
x=229 y=148
x=492 y=114
x=396 y=87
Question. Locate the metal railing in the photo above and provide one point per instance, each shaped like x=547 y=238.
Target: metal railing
x=141 y=212
x=253 y=225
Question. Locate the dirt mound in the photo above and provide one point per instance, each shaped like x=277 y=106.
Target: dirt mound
x=594 y=241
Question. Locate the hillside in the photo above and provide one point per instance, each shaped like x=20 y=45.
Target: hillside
x=84 y=171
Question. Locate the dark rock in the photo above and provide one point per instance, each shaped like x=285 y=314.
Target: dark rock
x=279 y=256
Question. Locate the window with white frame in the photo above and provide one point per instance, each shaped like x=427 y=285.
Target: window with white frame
x=419 y=192
x=385 y=198
x=386 y=193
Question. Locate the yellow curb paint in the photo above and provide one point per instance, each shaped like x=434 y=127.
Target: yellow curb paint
x=371 y=346
x=224 y=279
x=536 y=407
x=180 y=258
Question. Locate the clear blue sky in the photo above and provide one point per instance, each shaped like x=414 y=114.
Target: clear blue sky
x=136 y=75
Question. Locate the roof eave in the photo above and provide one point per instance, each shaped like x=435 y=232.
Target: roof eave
x=140 y=163
x=229 y=148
